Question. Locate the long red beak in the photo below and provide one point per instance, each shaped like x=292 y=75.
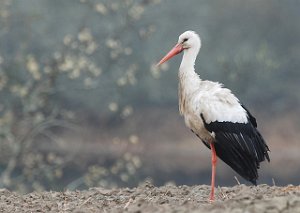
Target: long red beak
x=174 y=51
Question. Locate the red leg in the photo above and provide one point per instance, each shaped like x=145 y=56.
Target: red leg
x=213 y=171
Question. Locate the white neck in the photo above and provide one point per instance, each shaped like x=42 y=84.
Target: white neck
x=189 y=58
x=187 y=73
x=189 y=80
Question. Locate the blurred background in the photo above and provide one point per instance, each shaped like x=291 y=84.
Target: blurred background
x=83 y=105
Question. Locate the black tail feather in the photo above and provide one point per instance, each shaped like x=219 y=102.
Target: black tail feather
x=240 y=146
x=241 y=162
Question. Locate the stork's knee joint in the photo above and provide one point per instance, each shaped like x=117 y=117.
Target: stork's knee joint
x=214 y=160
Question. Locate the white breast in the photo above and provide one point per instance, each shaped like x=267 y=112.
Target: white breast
x=214 y=102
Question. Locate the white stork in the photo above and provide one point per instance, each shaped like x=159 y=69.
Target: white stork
x=216 y=116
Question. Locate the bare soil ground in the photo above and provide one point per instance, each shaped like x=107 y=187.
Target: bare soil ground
x=147 y=198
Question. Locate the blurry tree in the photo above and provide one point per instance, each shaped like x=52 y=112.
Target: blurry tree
x=31 y=87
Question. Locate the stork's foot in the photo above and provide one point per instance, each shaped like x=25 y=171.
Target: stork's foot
x=211 y=197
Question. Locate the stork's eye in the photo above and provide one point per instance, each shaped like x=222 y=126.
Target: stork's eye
x=184 y=40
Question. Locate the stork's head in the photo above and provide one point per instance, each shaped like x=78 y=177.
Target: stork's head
x=189 y=41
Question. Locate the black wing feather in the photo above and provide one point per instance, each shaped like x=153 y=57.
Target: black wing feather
x=239 y=145
x=251 y=117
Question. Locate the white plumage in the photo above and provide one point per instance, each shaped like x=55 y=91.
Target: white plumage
x=198 y=97
x=216 y=116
